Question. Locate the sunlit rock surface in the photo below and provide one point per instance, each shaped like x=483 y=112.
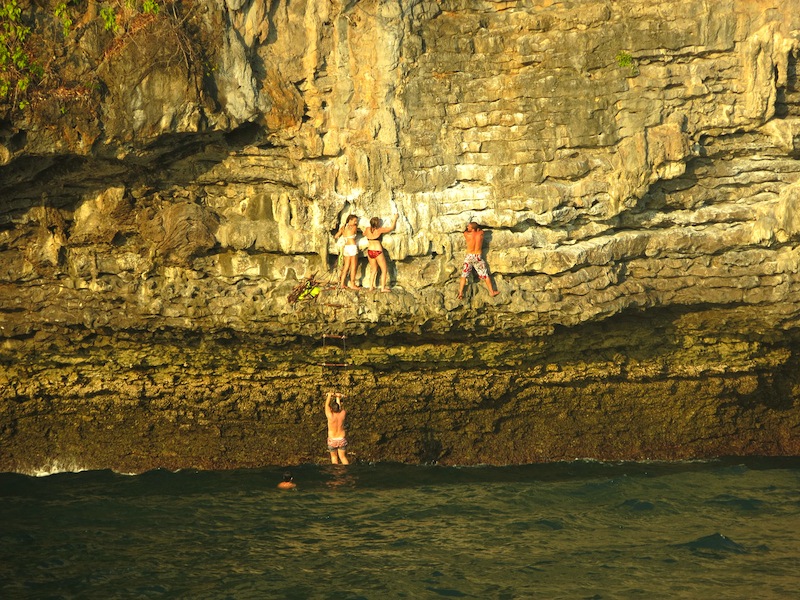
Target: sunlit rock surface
x=635 y=165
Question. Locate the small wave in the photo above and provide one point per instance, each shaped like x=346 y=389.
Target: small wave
x=738 y=503
x=715 y=545
x=55 y=468
x=448 y=592
x=637 y=505
x=552 y=524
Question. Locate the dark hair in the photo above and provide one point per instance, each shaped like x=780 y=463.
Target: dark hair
x=349 y=217
x=474 y=225
x=335 y=406
x=374 y=222
x=287 y=476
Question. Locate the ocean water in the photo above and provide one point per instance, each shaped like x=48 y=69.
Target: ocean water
x=720 y=529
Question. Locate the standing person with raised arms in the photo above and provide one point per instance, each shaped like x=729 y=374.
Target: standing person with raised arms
x=474 y=238
x=337 y=440
x=350 y=251
x=375 y=253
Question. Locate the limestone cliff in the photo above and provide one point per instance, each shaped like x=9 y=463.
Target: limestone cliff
x=170 y=180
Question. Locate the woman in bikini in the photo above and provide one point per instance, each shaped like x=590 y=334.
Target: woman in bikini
x=350 y=251
x=375 y=251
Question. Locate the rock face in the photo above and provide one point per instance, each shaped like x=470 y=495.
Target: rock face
x=636 y=168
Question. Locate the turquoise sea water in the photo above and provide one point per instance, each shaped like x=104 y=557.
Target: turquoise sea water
x=719 y=529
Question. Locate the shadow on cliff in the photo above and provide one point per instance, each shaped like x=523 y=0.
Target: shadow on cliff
x=664 y=196
x=776 y=389
x=63 y=181
x=787 y=99
x=429 y=449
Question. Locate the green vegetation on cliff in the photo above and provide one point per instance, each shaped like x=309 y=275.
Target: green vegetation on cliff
x=38 y=46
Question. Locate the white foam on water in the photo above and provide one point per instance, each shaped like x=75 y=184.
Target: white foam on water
x=54 y=468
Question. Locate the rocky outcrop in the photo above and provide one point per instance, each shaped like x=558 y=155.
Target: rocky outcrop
x=635 y=167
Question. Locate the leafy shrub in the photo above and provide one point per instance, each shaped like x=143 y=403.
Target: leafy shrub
x=626 y=61
x=109 y=17
x=17 y=70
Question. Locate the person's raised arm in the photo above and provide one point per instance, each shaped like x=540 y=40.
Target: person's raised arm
x=391 y=227
x=328 y=404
